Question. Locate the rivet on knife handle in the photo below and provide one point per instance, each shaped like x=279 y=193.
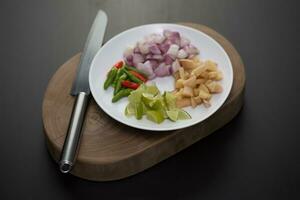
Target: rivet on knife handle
x=73 y=135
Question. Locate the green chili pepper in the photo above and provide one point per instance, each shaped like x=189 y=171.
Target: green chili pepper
x=119 y=85
x=132 y=77
x=119 y=74
x=110 y=77
x=135 y=69
x=122 y=93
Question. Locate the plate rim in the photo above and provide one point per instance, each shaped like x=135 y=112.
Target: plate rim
x=156 y=128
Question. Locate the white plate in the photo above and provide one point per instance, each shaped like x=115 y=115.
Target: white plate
x=112 y=52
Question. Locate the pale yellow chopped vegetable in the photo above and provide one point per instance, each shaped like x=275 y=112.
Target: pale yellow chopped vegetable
x=191 y=82
x=197 y=71
x=179 y=83
x=187 y=64
x=181 y=73
x=184 y=102
x=204 y=88
x=196 y=91
x=200 y=81
x=210 y=65
x=212 y=75
x=196 y=81
x=204 y=95
x=214 y=87
x=187 y=91
x=193 y=102
x=198 y=100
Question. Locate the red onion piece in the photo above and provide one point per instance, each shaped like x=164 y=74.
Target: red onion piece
x=175 y=66
x=136 y=50
x=175 y=38
x=162 y=70
x=157 y=57
x=164 y=47
x=154 y=49
x=137 y=58
x=167 y=33
x=173 y=50
x=168 y=59
x=154 y=64
x=144 y=47
x=191 y=49
x=149 y=56
x=128 y=52
x=184 y=42
x=155 y=38
x=145 y=68
x=182 y=54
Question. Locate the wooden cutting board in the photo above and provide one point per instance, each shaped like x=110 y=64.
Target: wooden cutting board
x=110 y=150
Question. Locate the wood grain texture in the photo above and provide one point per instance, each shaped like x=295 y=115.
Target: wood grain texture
x=110 y=150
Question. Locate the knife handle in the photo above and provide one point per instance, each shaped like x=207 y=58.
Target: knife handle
x=71 y=143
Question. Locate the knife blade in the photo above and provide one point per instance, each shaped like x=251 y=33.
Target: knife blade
x=81 y=90
x=92 y=45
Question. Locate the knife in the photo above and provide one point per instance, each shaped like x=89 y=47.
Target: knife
x=81 y=91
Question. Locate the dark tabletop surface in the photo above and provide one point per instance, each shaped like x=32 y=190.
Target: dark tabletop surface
x=256 y=156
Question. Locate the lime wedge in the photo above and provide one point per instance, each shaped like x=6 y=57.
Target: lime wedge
x=152 y=89
x=172 y=115
x=129 y=110
x=139 y=110
x=170 y=100
x=148 y=99
x=183 y=115
x=155 y=116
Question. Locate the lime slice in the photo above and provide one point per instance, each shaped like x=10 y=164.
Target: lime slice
x=183 y=115
x=139 y=110
x=155 y=116
x=152 y=89
x=135 y=97
x=172 y=115
x=148 y=99
x=129 y=110
x=170 y=100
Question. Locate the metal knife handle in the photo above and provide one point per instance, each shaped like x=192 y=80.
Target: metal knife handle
x=71 y=144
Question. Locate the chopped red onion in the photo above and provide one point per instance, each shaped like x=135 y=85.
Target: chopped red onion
x=155 y=38
x=168 y=59
x=136 y=50
x=154 y=49
x=184 y=42
x=173 y=50
x=182 y=54
x=145 y=68
x=158 y=57
x=144 y=47
x=164 y=47
x=128 y=51
x=137 y=58
x=191 y=49
x=162 y=70
x=154 y=64
x=175 y=38
x=149 y=56
x=157 y=54
x=167 y=33
x=175 y=66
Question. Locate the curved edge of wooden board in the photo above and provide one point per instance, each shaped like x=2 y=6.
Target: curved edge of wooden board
x=169 y=144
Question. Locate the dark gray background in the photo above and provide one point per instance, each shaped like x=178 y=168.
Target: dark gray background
x=256 y=156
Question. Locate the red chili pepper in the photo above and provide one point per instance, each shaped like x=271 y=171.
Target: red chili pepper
x=139 y=76
x=119 y=64
x=129 y=84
